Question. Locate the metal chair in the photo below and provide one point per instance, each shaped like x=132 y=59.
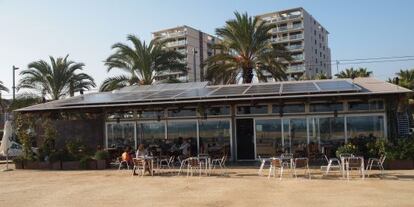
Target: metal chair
x=140 y=165
x=166 y=163
x=219 y=163
x=376 y=162
x=303 y=163
x=122 y=162
x=333 y=163
x=276 y=163
x=193 y=163
x=354 y=163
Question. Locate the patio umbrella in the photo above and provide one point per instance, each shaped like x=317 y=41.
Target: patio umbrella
x=5 y=142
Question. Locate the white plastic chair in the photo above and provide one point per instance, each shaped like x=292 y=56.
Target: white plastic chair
x=354 y=163
x=193 y=163
x=219 y=163
x=333 y=164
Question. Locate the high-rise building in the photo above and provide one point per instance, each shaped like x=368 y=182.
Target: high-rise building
x=194 y=44
x=305 y=38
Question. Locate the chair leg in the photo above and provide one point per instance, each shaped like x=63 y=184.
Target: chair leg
x=281 y=172
x=270 y=172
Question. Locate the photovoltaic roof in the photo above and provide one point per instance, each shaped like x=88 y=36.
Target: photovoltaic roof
x=200 y=91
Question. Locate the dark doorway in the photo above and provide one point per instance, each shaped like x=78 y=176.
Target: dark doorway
x=245 y=139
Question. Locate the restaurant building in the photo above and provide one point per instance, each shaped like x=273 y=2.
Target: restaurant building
x=245 y=121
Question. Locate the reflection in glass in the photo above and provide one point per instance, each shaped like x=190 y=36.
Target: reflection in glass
x=120 y=115
x=182 y=112
x=150 y=133
x=180 y=132
x=326 y=135
x=298 y=137
x=288 y=108
x=325 y=107
x=214 y=137
x=150 y=114
x=218 y=110
x=259 y=109
x=120 y=135
x=268 y=138
x=365 y=126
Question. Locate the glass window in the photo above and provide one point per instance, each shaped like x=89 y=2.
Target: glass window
x=218 y=110
x=184 y=112
x=298 y=137
x=376 y=105
x=259 y=109
x=326 y=107
x=120 y=115
x=150 y=114
x=365 y=126
x=362 y=105
x=289 y=108
x=182 y=133
x=269 y=138
x=327 y=134
x=214 y=137
x=120 y=135
x=358 y=106
x=152 y=135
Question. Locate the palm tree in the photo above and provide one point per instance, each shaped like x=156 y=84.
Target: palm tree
x=354 y=73
x=246 y=50
x=3 y=88
x=57 y=79
x=405 y=79
x=142 y=62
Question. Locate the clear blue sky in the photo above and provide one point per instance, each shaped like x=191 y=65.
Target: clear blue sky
x=32 y=30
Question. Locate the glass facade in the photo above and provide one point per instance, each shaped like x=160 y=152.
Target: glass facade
x=301 y=130
x=215 y=137
x=259 y=109
x=120 y=135
x=268 y=137
x=365 y=126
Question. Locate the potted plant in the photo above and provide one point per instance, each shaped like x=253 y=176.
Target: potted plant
x=18 y=162
x=101 y=157
x=400 y=155
x=87 y=163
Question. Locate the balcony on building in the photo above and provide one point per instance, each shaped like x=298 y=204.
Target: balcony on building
x=296 y=69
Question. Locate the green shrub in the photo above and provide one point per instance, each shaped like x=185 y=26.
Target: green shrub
x=101 y=155
x=376 y=148
x=84 y=162
x=348 y=148
x=402 y=150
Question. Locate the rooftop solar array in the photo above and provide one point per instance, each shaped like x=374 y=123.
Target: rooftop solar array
x=166 y=94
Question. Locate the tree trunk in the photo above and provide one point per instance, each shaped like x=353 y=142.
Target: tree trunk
x=248 y=75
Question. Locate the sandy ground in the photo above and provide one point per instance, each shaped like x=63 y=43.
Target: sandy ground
x=242 y=187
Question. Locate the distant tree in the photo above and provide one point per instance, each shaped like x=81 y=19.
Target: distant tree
x=406 y=79
x=25 y=100
x=322 y=76
x=142 y=63
x=57 y=79
x=246 y=50
x=354 y=73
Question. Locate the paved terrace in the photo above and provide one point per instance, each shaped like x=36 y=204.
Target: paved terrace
x=241 y=187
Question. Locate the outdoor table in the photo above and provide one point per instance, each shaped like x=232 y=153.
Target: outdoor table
x=344 y=159
x=207 y=163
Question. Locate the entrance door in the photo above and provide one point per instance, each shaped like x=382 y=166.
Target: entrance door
x=245 y=139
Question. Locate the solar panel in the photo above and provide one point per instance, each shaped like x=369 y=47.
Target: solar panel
x=305 y=87
x=164 y=94
x=199 y=92
x=336 y=86
x=94 y=98
x=134 y=96
x=231 y=90
x=261 y=89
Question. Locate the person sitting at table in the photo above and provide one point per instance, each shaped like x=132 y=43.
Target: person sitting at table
x=126 y=155
x=185 y=148
x=141 y=151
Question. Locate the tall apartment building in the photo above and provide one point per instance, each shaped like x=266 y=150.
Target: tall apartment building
x=194 y=44
x=305 y=38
